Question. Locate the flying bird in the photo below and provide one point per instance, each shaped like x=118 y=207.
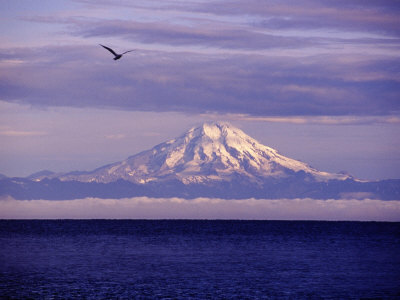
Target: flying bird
x=116 y=55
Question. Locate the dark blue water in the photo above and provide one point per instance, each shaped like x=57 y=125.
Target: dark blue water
x=102 y=259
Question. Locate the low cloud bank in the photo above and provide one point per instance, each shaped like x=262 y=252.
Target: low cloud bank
x=202 y=208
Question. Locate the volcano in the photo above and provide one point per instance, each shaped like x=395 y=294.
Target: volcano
x=212 y=152
x=212 y=160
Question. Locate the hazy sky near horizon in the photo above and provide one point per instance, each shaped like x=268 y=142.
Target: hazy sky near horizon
x=203 y=208
x=317 y=80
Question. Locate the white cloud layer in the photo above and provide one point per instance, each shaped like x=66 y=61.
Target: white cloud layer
x=202 y=208
x=318 y=120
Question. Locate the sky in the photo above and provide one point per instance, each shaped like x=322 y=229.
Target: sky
x=317 y=80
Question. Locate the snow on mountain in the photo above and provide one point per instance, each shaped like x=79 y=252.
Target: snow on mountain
x=211 y=152
x=40 y=175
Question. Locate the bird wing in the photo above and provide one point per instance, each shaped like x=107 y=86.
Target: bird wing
x=109 y=49
x=129 y=51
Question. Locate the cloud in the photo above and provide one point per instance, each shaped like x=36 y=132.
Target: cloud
x=378 y=16
x=202 y=208
x=117 y=136
x=318 y=120
x=275 y=27
x=216 y=34
x=17 y=133
x=256 y=85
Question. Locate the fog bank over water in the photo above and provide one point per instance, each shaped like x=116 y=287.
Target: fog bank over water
x=202 y=208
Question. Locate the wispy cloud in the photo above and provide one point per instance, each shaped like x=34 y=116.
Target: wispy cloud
x=18 y=133
x=117 y=136
x=321 y=120
x=213 y=34
x=248 y=32
x=258 y=85
x=202 y=208
x=380 y=17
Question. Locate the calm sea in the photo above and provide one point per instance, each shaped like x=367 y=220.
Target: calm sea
x=108 y=259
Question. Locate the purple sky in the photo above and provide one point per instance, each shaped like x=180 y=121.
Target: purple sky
x=317 y=80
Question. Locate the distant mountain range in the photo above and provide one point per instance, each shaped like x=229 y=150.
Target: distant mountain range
x=213 y=160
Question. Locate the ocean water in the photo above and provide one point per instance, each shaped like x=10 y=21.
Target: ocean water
x=184 y=259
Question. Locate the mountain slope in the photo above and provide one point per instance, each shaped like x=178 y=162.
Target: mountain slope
x=210 y=153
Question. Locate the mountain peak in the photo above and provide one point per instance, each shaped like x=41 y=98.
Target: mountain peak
x=213 y=130
x=220 y=132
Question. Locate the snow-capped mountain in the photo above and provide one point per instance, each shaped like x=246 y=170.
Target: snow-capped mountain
x=212 y=160
x=212 y=152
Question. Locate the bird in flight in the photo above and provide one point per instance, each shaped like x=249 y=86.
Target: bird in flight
x=116 y=55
